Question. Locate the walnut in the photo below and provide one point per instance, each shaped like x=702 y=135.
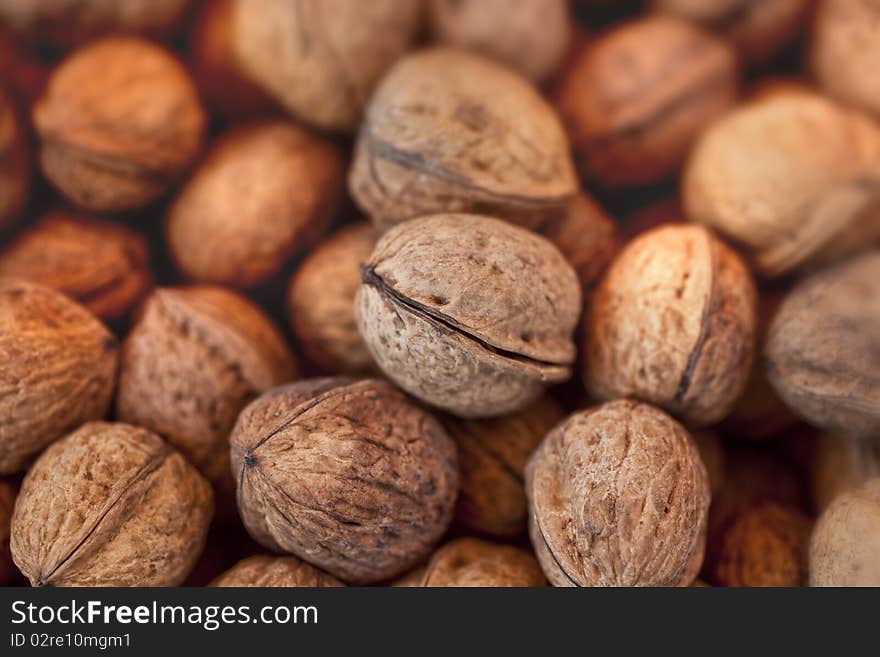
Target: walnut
x=7 y=502
x=264 y=191
x=792 y=177
x=823 y=347
x=492 y=456
x=618 y=496
x=845 y=546
x=448 y=131
x=15 y=165
x=110 y=505
x=505 y=31
x=266 y=571
x=102 y=265
x=842 y=463
x=320 y=300
x=636 y=98
x=470 y=562
x=321 y=58
x=119 y=122
x=346 y=475
x=469 y=313
x=764 y=546
x=673 y=323
x=194 y=358
x=59 y=368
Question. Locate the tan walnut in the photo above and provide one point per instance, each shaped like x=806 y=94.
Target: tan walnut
x=273 y=571
x=618 y=496
x=59 y=369
x=347 y=475
x=471 y=562
x=110 y=505
x=673 y=323
x=15 y=162
x=470 y=314
x=448 y=131
x=193 y=359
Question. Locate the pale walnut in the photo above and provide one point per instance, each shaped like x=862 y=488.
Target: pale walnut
x=841 y=463
x=271 y=571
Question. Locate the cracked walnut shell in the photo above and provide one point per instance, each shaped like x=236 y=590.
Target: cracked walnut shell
x=470 y=314
x=110 y=505
x=273 y=571
x=470 y=562
x=618 y=496
x=347 y=475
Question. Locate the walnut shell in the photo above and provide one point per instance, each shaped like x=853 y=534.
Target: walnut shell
x=845 y=50
x=469 y=313
x=823 y=347
x=447 y=131
x=470 y=562
x=263 y=192
x=119 y=122
x=764 y=546
x=505 y=31
x=194 y=358
x=102 y=265
x=841 y=463
x=636 y=98
x=346 y=475
x=266 y=571
x=618 y=496
x=7 y=502
x=492 y=456
x=320 y=300
x=673 y=323
x=59 y=369
x=321 y=58
x=845 y=546
x=792 y=177
x=15 y=165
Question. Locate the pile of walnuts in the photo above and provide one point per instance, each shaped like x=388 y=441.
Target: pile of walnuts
x=439 y=293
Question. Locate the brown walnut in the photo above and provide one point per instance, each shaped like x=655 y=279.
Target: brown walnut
x=100 y=264
x=469 y=313
x=506 y=31
x=823 y=347
x=618 y=496
x=263 y=192
x=792 y=177
x=59 y=369
x=636 y=98
x=194 y=358
x=321 y=296
x=320 y=59
x=673 y=323
x=15 y=165
x=266 y=571
x=347 y=475
x=119 y=123
x=492 y=456
x=110 y=505
x=448 y=131
x=470 y=562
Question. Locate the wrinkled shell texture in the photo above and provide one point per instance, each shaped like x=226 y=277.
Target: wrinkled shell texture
x=348 y=476
x=447 y=131
x=284 y=572
x=505 y=31
x=673 y=323
x=59 y=369
x=618 y=496
x=845 y=546
x=100 y=264
x=193 y=360
x=492 y=456
x=846 y=49
x=321 y=58
x=321 y=297
x=264 y=191
x=791 y=176
x=469 y=562
x=110 y=505
x=469 y=313
x=765 y=546
x=840 y=464
x=632 y=110
x=823 y=348
x=119 y=122
x=14 y=163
